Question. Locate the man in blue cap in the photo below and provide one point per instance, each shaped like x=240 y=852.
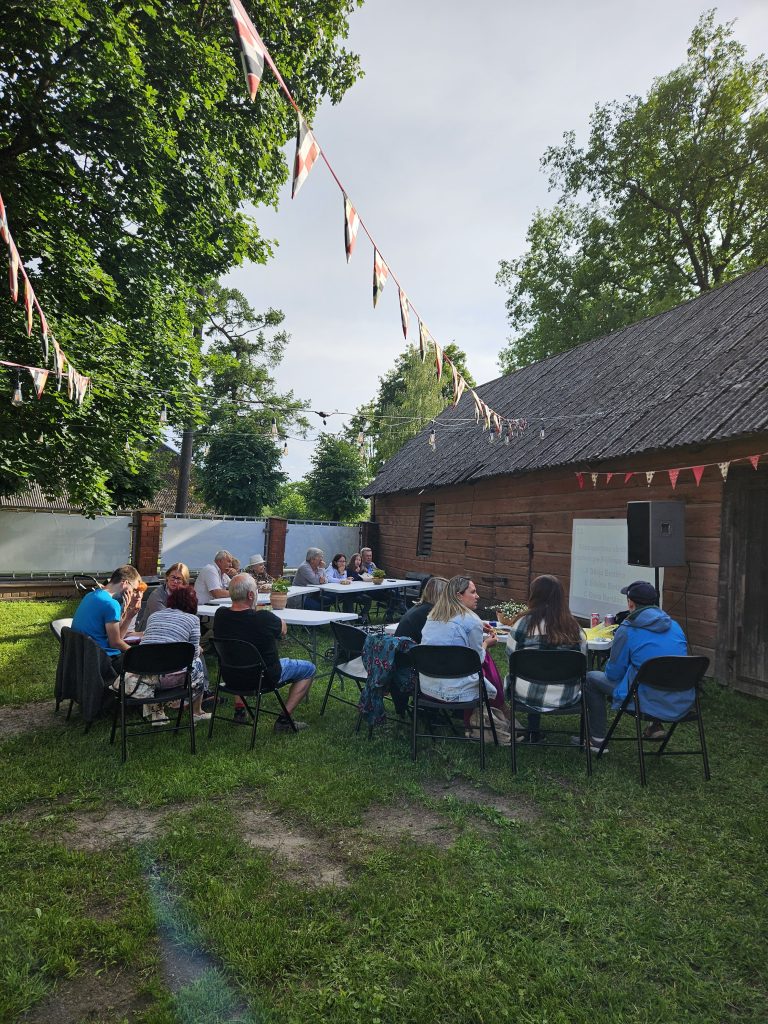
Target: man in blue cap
x=647 y=632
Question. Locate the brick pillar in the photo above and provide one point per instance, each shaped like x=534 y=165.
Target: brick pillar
x=276 y=529
x=147 y=532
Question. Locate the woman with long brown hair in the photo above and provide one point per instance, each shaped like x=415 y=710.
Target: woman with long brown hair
x=546 y=625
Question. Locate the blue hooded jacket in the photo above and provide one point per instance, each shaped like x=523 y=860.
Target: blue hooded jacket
x=648 y=633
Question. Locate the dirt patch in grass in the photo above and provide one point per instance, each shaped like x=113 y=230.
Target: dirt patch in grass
x=98 y=830
x=516 y=808
x=311 y=861
x=14 y=721
x=411 y=821
x=90 y=997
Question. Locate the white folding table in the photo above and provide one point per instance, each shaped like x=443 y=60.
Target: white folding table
x=311 y=621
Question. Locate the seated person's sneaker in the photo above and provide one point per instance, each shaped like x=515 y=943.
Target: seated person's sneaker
x=283 y=725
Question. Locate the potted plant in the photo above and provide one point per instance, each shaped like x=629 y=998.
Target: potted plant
x=279 y=594
x=378 y=575
x=508 y=611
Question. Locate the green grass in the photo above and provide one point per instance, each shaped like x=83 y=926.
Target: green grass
x=614 y=904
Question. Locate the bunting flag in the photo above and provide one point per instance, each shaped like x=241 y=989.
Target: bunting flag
x=58 y=361
x=754 y=459
x=252 y=55
x=594 y=479
x=478 y=405
x=608 y=477
x=404 y=312
x=649 y=476
x=307 y=151
x=4 y=223
x=39 y=378
x=43 y=328
x=724 y=469
x=458 y=385
x=380 y=275
x=438 y=360
x=13 y=270
x=487 y=414
x=424 y=339
x=29 y=301
x=673 y=475
x=580 y=478
x=698 y=473
x=351 y=227
x=628 y=477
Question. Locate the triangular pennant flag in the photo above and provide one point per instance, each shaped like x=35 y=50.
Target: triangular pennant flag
x=404 y=312
x=438 y=360
x=351 y=226
x=307 y=151
x=13 y=270
x=458 y=385
x=754 y=459
x=83 y=383
x=628 y=477
x=594 y=479
x=478 y=406
x=3 y=223
x=424 y=339
x=673 y=475
x=608 y=477
x=487 y=414
x=252 y=55
x=698 y=473
x=380 y=275
x=43 y=328
x=724 y=469
x=71 y=381
x=649 y=476
x=29 y=300
x=39 y=377
x=580 y=478
x=59 y=361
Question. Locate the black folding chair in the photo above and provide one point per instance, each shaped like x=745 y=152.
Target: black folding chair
x=56 y=627
x=670 y=674
x=155 y=660
x=242 y=673
x=550 y=668
x=448 y=663
x=347 y=661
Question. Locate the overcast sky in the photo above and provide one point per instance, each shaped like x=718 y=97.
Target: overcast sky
x=438 y=147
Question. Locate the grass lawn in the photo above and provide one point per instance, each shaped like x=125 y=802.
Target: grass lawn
x=328 y=878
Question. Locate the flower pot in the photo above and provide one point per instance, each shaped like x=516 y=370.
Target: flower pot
x=379 y=581
x=505 y=620
x=278 y=601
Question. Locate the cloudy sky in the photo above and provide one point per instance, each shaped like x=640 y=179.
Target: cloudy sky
x=438 y=147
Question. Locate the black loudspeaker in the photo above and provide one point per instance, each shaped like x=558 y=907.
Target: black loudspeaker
x=656 y=533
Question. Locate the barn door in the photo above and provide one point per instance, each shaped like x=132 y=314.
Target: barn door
x=512 y=558
x=742 y=652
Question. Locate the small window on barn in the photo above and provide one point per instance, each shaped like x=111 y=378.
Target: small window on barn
x=426 y=523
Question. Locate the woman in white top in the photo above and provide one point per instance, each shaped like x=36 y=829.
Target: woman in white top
x=337 y=571
x=453 y=623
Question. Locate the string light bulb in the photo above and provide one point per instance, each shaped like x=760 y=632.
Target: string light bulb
x=542 y=432
x=18 y=398
x=273 y=428
x=163 y=415
x=508 y=435
x=285 y=448
x=432 y=439
x=361 y=439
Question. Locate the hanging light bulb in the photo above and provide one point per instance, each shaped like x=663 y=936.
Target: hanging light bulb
x=508 y=435
x=432 y=439
x=164 y=415
x=273 y=428
x=491 y=436
x=18 y=398
x=285 y=448
x=542 y=432
x=361 y=439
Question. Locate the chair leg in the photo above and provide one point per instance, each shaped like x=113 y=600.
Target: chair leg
x=666 y=739
x=700 y=723
x=639 y=733
x=513 y=744
x=115 y=712
x=415 y=723
x=327 y=691
x=482 y=731
x=584 y=731
x=192 y=744
x=123 y=728
x=69 y=710
x=256 y=718
x=215 y=706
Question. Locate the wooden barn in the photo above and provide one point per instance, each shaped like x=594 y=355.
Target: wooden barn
x=679 y=391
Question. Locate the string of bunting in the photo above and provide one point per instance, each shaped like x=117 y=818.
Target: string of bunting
x=254 y=56
x=673 y=474
x=77 y=383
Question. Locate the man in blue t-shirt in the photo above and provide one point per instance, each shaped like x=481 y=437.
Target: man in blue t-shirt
x=105 y=614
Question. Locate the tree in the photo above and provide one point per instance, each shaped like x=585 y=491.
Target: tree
x=409 y=396
x=292 y=501
x=337 y=478
x=128 y=153
x=239 y=471
x=668 y=199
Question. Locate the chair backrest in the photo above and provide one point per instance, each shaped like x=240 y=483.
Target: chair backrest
x=349 y=640
x=547 y=666
x=157 y=659
x=57 y=625
x=85 y=583
x=241 y=664
x=673 y=672
x=445 y=662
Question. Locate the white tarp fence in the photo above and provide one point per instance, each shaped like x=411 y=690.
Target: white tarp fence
x=196 y=541
x=57 y=542
x=331 y=537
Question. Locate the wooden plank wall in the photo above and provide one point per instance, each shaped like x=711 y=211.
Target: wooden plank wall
x=482 y=529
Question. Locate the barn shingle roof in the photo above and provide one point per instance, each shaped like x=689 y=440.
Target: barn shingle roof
x=695 y=374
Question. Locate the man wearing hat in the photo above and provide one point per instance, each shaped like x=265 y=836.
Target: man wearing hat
x=646 y=632
x=257 y=568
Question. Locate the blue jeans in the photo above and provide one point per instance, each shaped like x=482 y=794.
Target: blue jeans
x=597 y=688
x=294 y=669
